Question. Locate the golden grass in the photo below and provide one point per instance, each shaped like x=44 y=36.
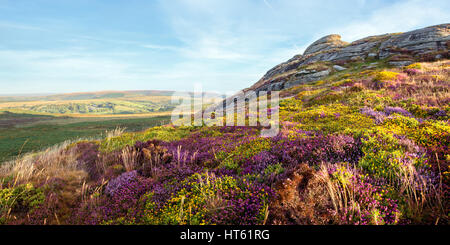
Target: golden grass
x=129 y=158
x=55 y=162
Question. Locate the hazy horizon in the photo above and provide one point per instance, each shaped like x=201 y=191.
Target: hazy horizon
x=30 y=95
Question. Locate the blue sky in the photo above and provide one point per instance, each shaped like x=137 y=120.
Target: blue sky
x=55 y=46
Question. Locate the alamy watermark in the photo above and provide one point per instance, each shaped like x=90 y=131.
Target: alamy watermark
x=245 y=108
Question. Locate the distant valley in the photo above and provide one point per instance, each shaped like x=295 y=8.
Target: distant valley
x=96 y=103
x=32 y=123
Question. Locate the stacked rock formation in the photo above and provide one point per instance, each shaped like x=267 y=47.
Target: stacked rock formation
x=400 y=49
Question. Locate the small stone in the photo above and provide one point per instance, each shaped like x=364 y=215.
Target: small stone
x=339 y=68
x=400 y=63
x=302 y=72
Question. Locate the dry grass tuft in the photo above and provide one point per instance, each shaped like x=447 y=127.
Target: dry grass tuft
x=115 y=133
x=130 y=158
x=55 y=162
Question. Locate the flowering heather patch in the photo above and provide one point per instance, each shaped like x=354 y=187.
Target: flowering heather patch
x=412 y=72
x=368 y=204
x=169 y=180
x=318 y=149
x=119 y=205
x=21 y=199
x=391 y=110
x=376 y=115
x=116 y=185
x=441 y=114
x=322 y=118
x=207 y=199
x=259 y=163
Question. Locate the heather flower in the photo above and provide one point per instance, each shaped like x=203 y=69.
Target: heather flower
x=398 y=110
x=369 y=204
x=402 y=77
x=209 y=199
x=412 y=72
x=376 y=115
x=88 y=158
x=440 y=114
x=114 y=186
x=317 y=149
x=258 y=163
x=119 y=205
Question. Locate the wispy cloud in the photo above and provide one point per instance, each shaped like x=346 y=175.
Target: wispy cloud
x=13 y=25
x=398 y=17
x=268 y=4
x=162 y=47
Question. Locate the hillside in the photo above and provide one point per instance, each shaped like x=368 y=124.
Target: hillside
x=62 y=117
x=96 y=103
x=330 y=54
x=362 y=141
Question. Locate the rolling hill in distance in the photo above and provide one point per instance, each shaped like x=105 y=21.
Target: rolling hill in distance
x=94 y=103
x=34 y=122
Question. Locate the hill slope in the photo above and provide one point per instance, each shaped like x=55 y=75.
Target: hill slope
x=329 y=54
x=95 y=103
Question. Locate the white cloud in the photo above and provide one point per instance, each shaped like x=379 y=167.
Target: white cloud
x=13 y=25
x=398 y=17
x=161 y=47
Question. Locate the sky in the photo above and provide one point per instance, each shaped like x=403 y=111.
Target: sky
x=61 y=46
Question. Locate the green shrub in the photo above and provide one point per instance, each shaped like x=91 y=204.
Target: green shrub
x=158 y=133
x=386 y=75
x=20 y=199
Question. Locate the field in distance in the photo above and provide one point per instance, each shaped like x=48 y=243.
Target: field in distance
x=22 y=133
x=97 y=103
x=33 y=123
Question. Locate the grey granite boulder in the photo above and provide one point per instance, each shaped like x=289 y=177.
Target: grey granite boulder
x=400 y=63
x=325 y=43
x=433 y=38
x=331 y=48
x=339 y=68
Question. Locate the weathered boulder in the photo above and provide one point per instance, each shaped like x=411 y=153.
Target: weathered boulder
x=325 y=43
x=429 y=39
x=400 y=63
x=372 y=55
x=301 y=78
x=402 y=49
x=339 y=68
